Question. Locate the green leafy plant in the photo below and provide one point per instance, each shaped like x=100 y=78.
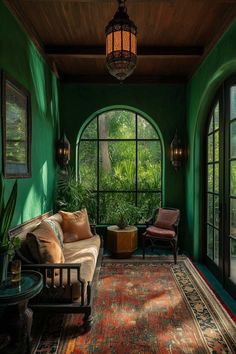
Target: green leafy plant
x=7 y=244
x=124 y=214
x=72 y=195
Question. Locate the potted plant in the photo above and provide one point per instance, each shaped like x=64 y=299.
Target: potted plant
x=124 y=213
x=7 y=245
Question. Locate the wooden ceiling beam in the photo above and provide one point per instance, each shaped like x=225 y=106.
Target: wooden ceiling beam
x=129 y=1
x=132 y=80
x=99 y=51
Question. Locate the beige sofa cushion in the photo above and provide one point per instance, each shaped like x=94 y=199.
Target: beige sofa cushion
x=75 y=225
x=44 y=245
x=84 y=252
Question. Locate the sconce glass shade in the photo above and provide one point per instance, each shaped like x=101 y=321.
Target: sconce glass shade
x=63 y=151
x=121 y=44
x=176 y=152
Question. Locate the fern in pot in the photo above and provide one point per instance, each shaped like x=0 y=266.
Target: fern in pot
x=7 y=245
x=123 y=214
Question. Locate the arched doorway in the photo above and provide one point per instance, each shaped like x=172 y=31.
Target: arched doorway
x=220 y=186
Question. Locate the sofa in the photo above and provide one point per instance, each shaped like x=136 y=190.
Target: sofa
x=68 y=260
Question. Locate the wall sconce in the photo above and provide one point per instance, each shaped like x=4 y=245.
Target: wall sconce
x=176 y=152
x=63 y=151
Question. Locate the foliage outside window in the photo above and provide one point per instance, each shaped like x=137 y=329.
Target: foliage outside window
x=213 y=186
x=119 y=160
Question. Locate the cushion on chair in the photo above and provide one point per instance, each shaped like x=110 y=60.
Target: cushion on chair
x=166 y=218
x=158 y=232
x=75 y=225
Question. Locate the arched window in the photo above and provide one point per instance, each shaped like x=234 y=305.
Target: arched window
x=120 y=161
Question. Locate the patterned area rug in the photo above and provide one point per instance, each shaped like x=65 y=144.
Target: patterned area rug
x=145 y=307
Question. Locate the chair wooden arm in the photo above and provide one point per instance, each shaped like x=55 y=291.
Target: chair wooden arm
x=152 y=219
x=149 y=221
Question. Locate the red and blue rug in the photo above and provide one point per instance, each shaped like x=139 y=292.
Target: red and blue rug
x=144 y=307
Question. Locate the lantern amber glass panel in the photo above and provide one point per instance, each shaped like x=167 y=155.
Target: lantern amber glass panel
x=117 y=41
x=126 y=38
x=133 y=44
x=109 y=44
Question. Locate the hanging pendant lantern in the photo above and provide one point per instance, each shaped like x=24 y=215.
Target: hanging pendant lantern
x=121 y=44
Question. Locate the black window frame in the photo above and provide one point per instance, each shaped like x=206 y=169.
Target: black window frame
x=223 y=269
x=136 y=190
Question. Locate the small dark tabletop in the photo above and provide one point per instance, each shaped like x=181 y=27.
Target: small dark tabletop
x=30 y=285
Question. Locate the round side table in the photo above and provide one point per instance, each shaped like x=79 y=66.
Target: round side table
x=122 y=242
x=17 y=317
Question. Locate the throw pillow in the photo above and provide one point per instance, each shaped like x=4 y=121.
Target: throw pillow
x=54 y=225
x=44 y=244
x=24 y=253
x=166 y=218
x=75 y=225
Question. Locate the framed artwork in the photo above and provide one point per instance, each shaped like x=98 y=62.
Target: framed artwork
x=16 y=129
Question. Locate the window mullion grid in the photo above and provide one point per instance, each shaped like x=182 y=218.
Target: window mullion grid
x=229 y=180
x=136 y=156
x=213 y=181
x=136 y=140
x=98 y=172
x=162 y=162
x=212 y=163
x=231 y=196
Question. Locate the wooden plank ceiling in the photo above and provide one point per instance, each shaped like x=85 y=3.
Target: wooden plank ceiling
x=174 y=36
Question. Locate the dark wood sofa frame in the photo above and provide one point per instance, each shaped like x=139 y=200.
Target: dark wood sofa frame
x=84 y=304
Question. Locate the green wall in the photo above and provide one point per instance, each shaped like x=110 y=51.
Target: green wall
x=164 y=104
x=219 y=64
x=20 y=59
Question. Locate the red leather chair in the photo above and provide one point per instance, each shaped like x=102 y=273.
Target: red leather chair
x=162 y=226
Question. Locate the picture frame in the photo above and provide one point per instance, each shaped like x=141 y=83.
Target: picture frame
x=16 y=129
